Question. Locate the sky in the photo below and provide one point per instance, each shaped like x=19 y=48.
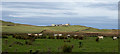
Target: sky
x=92 y=13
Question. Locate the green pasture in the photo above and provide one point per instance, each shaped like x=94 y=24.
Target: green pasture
x=37 y=29
x=52 y=45
x=9 y=27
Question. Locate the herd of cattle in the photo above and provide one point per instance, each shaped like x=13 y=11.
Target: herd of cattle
x=68 y=35
x=65 y=35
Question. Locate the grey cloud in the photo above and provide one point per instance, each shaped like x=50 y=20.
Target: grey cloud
x=95 y=21
x=35 y=5
x=113 y=6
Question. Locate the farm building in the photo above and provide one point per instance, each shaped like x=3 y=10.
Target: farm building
x=60 y=25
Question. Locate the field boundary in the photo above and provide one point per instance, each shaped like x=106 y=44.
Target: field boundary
x=1 y=29
x=119 y=26
x=64 y=53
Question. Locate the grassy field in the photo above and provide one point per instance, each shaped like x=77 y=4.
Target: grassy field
x=89 y=45
x=45 y=45
x=22 y=28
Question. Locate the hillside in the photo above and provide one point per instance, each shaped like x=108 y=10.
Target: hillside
x=9 y=27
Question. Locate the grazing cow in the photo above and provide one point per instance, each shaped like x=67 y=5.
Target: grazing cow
x=36 y=34
x=97 y=39
x=100 y=37
x=114 y=38
x=29 y=34
x=55 y=34
x=80 y=44
x=60 y=34
x=30 y=51
x=10 y=45
x=75 y=35
x=68 y=35
x=40 y=34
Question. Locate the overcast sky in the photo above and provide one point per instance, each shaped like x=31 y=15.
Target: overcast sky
x=101 y=14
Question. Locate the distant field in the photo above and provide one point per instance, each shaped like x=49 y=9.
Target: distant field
x=9 y=27
x=89 y=45
x=32 y=29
